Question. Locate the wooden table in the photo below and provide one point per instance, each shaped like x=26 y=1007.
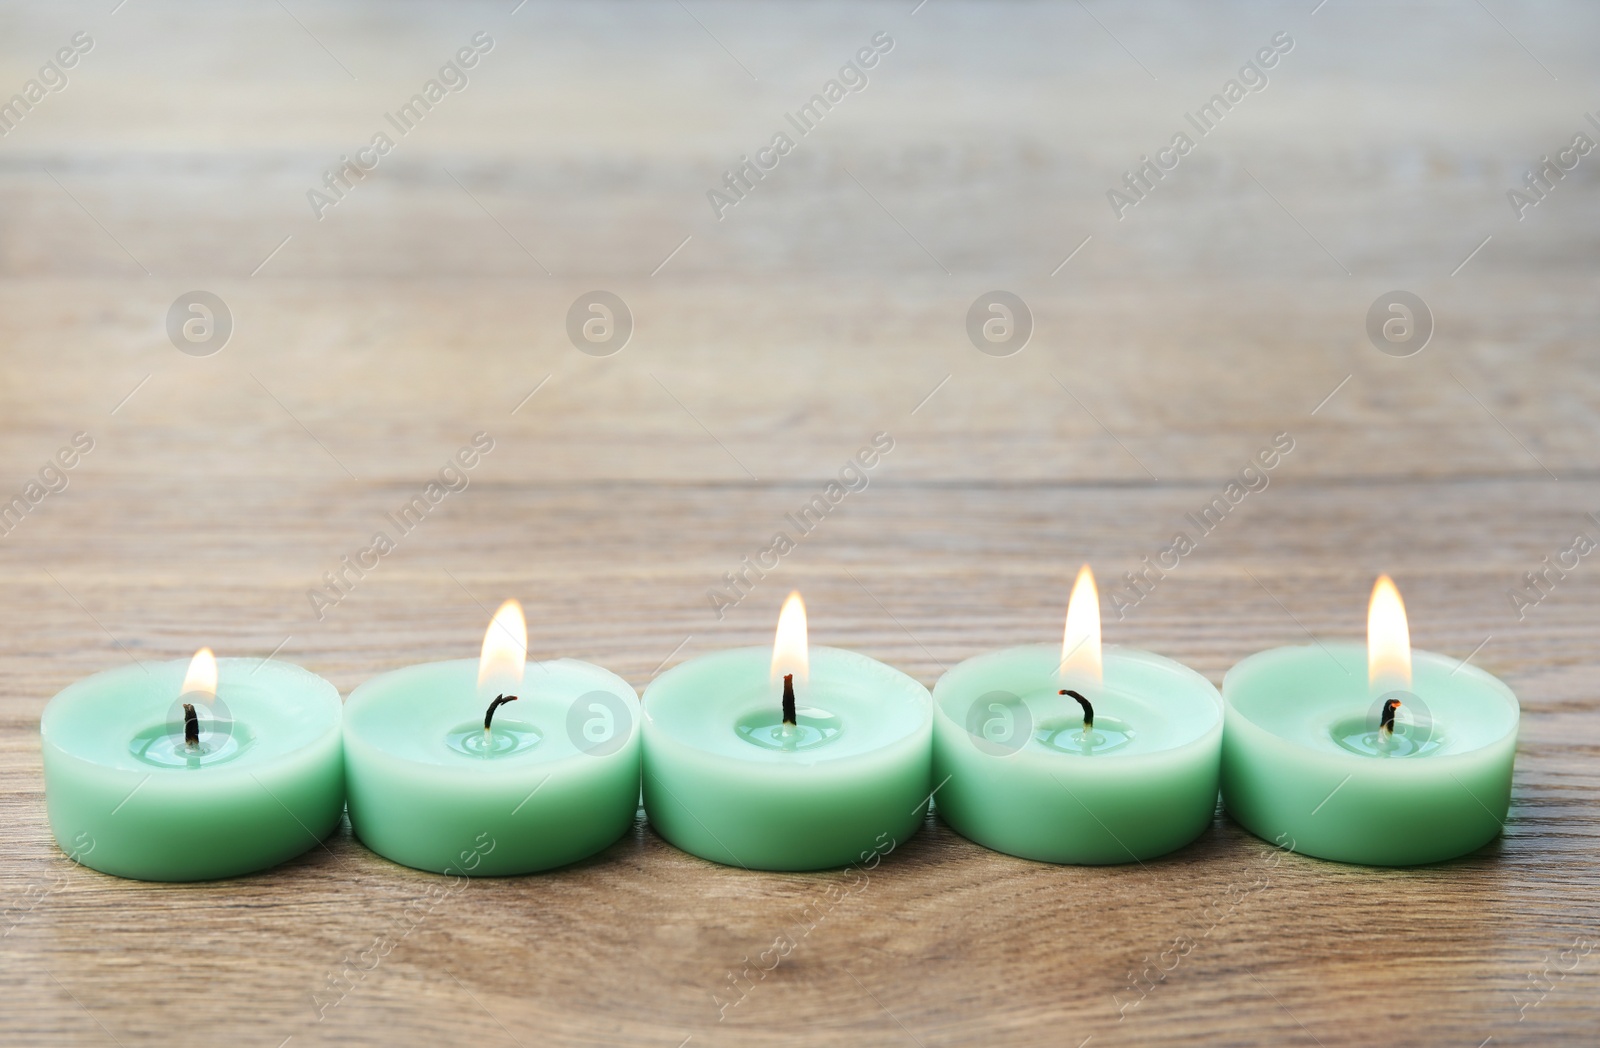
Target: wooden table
x=829 y=304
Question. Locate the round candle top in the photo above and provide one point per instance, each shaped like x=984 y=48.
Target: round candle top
x=430 y=715
x=1008 y=705
x=1077 y=753
x=789 y=758
x=193 y=769
x=1375 y=755
x=723 y=706
x=493 y=766
x=1315 y=697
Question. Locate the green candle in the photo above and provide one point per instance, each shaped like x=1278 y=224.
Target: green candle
x=496 y=766
x=193 y=770
x=1375 y=755
x=742 y=770
x=1074 y=754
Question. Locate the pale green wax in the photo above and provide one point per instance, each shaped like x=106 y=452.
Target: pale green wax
x=1019 y=776
x=724 y=781
x=1303 y=765
x=126 y=796
x=556 y=781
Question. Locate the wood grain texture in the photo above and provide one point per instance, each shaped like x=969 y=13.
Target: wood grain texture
x=1227 y=307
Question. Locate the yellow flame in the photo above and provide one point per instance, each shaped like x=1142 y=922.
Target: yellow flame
x=201 y=679
x=790 y=652
x=1080 y=647
x=1388 y=637
x=505 y=647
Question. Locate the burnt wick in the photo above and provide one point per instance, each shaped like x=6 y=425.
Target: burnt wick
x=488 y=717
x=1088 y=710
x=1386 y=719
x=191 y=727
x=788 y=700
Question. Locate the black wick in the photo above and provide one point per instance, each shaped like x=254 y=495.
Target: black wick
x=1088 y=710
x=1386 y=720
x=499 y=700
x=191 y=727
x=788 y=699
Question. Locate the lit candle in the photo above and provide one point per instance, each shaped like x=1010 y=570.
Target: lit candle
x=1076 y=754
x=1376 y=755
x=789 y=758
x=495 y=766
x=194 y=769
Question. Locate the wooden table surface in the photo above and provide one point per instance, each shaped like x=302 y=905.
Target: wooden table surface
x=429 y=303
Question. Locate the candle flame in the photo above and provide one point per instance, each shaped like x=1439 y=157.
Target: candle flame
x=1080 y=647
x=1388 y=638
x=790 y=651
x=201 y=679
x=505 y=647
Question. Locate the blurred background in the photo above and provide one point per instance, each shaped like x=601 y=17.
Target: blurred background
x=373 y=335
x=379 y=320
x=180 y=150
